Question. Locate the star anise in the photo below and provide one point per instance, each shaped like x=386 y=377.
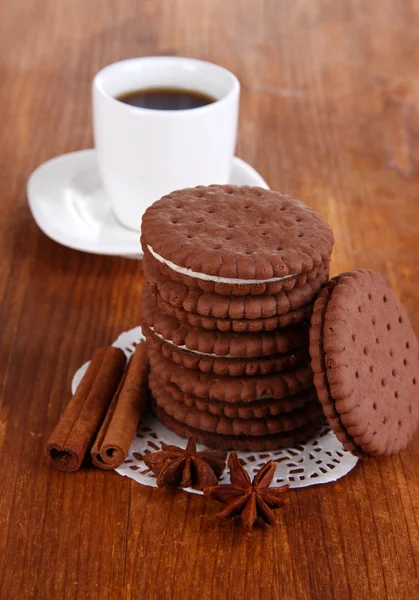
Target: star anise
x=176 y=467
x=249 y=499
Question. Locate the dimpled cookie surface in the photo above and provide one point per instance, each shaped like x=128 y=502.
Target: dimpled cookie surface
x=235 y=235
x=365 y=361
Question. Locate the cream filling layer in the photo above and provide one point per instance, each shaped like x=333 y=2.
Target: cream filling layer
x=188 y=349
x=214 y=278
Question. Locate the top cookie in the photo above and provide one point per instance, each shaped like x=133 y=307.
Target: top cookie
x=365 y=362
x=235 y=240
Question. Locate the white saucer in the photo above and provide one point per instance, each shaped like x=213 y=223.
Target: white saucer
x=69 y=204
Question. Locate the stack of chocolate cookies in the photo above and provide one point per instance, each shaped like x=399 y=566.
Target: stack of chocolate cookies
x=232 y=274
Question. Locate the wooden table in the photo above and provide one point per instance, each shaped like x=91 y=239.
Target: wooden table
x=329 y=114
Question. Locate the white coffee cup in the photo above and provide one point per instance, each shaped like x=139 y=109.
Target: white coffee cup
x=143 y=153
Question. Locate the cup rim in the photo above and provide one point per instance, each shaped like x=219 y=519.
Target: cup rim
x=97 y=84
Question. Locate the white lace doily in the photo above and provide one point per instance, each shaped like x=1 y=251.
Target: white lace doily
x=320 y=460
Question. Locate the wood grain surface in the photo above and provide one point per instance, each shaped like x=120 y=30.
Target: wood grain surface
x=329 y=113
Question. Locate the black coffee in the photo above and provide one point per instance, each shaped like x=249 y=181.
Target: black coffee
x=166 y=99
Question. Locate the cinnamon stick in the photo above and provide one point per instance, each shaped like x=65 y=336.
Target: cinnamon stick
x=125 y=411
x=70 y=440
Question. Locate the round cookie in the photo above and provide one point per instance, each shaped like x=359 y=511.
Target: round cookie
x=243 y=410
x=218 y=343
x=251 y=443
x=237 y=325
x=365 y=361
x=230 y=389
x=221 y=365
x=194 y=300
x=235 y=240
x=223 y=425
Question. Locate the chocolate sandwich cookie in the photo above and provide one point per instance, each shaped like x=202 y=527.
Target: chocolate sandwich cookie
x=262 y=407
x=227 y=365
x=237 y=325
x=218 y=343
x=223 y=425
x=264 y=306
x=365 y=362
x=235 y=240
x=240 y=442
x=230 y=389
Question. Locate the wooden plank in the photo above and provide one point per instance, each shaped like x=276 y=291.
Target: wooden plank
x=328 y=114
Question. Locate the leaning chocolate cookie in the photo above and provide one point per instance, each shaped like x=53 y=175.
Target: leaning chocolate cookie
x=365 y=361
x=235 y=240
